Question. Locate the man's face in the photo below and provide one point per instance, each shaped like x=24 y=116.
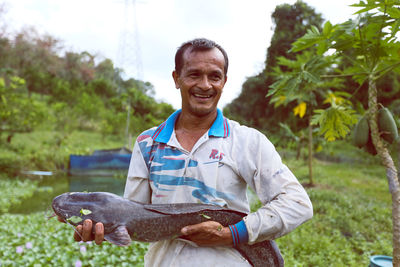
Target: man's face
x=201 y=81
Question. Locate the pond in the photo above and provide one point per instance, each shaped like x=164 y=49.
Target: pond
x=52 y=186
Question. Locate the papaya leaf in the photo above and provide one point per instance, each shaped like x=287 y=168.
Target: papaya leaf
x=334 y=122
x=289 y=131
x=312 y=37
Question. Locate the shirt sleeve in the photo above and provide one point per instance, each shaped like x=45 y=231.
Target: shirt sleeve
x=137 y=186
x=286 y=204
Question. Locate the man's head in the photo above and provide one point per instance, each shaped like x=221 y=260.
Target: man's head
x=200 y=74
x=199 y=44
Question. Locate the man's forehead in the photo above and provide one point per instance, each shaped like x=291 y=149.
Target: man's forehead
x=214 y=55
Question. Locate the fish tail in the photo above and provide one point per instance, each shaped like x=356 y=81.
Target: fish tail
x=264 y=253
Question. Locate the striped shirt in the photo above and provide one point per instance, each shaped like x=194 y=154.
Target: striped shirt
x=223 y=162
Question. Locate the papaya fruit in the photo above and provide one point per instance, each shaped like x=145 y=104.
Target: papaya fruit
x=361 y=132
x=369 y=146
x=387 y=126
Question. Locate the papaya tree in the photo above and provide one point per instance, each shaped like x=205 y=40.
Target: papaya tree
x=298 y=82
x=371 y=48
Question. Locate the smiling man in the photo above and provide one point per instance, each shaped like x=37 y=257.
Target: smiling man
x=198 y=155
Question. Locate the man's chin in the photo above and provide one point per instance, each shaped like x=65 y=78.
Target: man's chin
x=202 y=111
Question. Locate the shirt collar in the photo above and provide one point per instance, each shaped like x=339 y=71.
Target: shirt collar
x=219 y=128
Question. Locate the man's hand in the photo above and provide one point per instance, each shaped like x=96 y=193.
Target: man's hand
x=207 y=234
x=84 y=232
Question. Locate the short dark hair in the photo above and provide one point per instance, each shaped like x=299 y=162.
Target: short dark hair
x=198 y=44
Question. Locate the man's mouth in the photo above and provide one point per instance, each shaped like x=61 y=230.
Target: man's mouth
x=205 y=96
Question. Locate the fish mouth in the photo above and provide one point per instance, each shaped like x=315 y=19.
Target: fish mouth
x=51 y=216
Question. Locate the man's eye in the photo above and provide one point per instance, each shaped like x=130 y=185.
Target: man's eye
x=215 y=77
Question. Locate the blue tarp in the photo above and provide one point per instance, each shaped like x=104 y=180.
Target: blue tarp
x=107 y=161
x=104 y=160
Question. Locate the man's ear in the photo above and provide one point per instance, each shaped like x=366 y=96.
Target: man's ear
x=175 y=76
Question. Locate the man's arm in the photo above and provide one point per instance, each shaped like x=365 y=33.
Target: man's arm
x=286 y=204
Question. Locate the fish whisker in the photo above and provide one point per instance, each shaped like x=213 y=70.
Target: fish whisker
x=73 y=227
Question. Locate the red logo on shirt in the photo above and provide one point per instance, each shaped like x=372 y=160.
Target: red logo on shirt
x=216 y=155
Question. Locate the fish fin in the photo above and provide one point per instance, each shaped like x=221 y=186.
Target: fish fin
x=182 y=208
x=119 y=236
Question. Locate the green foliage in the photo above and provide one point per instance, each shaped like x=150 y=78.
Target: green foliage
x=351 y=222
x=251 y=107
x=14 y=192
x=39 y=88
x=352 y=215
x=300 y=82
x=33 y=240
x=335 y=121
x=362 y=49
x=18 y=111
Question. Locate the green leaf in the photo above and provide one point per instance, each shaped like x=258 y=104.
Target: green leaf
x=312 y=37
x=311 y=77
x=334 y=122
x=393 y=12
x=327 y=28
x=74 y=219
x=85 y=212
x=205 y=216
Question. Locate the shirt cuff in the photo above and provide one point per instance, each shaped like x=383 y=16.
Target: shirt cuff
x=239 y=233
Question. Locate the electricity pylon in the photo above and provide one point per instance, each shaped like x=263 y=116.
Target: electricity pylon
x=129 y=54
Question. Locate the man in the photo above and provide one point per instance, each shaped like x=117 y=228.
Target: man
x=197 y=155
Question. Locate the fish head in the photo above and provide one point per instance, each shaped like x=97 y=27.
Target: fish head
x=82 y=205
x=103 y=207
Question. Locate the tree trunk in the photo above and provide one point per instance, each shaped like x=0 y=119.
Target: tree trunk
x=391 y=172
x=310 y=151
x=298 y=151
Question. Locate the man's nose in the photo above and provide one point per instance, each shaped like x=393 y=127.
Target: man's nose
x=205 y=83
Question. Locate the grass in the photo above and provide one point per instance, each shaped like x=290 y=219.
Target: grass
x=352 y=217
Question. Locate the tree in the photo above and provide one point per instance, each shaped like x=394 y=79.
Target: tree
x=299 y=84
x=371 y=47
x=251 y=107
x=18 y=113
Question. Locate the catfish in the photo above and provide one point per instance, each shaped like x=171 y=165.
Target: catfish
x=125 y=220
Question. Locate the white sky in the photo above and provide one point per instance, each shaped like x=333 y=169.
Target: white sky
x=243 y=28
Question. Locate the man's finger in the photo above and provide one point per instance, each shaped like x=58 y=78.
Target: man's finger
x=99 y=236
x=78 y=233
x=87 y=230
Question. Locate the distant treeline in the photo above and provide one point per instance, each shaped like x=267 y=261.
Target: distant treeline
x=44 y=85
x=253 y=108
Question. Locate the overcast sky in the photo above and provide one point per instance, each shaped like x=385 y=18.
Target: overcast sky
x=243 y=28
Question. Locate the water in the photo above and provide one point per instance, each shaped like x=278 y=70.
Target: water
x=52 y=186
x=111 y=184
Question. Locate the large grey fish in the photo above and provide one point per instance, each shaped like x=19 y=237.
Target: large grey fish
x=125 y=220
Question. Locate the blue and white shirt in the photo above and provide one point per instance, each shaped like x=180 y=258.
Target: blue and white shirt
x=223 y=162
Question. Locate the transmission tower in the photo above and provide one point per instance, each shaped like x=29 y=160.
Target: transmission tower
x=129 y=54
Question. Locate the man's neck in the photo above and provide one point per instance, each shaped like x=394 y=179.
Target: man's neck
x=190 y=128
x=191 y=123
